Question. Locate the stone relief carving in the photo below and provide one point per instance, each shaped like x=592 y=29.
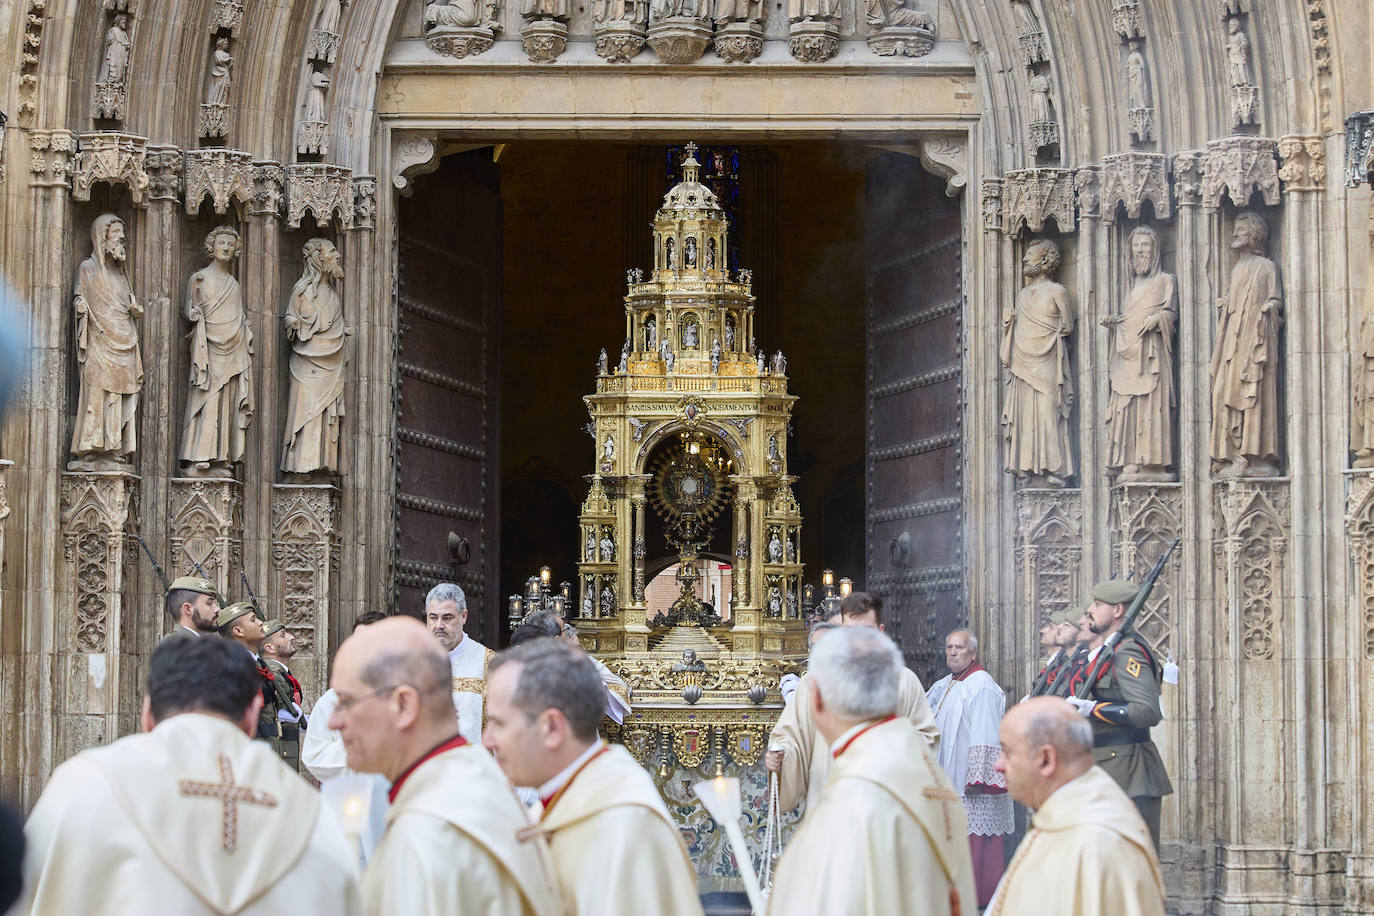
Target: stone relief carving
x=1362 y=378
x=1044 y=125
x=324 y=191
x=226 y=15
x=1189 y=171
x=164 y=164
x=1039 y=387
x=51 y=162
x=28 y=61
x=113 y=158
x=305 y=558
x=324 y=40
x=1131 y=179
x=739 y=29
x=1239 y=166
x=620 y=28
x=1320 y=34
x=109 y=96
x=1304 y=162
x=312 y=136
x=1087 y=188
x=214 y=111
x=947 y=157
x=1240 y=77
x=98 y=514
x=365 y=202
x=1251 y=544
x=1126 y=19
x=107 y=354
x=269 y=187
x=411 y=157
x=545 y=34
x=1049 y=548
x=897 y=28
x=1359 y=147
x=219 y=408
x=461 y=27
x=207 y=526
x=1145 y=521
x=1140 y=366
x=679 y=30
x=1359 y=524
x=1245 y=405
x=317 y=333
x=814 y=33
x=223 y=175
x=1034 y=48
x=1032 y=196
x=992 y=204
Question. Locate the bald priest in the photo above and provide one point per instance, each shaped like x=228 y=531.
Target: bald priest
x=193 y=817
x=888 y=834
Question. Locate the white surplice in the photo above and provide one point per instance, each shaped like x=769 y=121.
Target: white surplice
x=969 y=713
x=468 y=662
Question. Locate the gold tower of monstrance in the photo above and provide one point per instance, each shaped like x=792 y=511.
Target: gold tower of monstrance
x=691 y=471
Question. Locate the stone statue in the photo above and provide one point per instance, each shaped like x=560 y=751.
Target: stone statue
x=775 y=602
x=1042 y=107
x=671 y=250
x=607 y=549
x=690 y=252
x=1245 y=393
x=773 y=448
x=114 y=67
x=315 y=395
x=791 y=550
x=107 y=353
x=638 y=426
x=650 y=334
x=737 y=11
x=779 y=363
x=465 y=14
x=813 y=10
x=730 y=334
x=220 y=68
x=602 y=365
x=624 y=365
x=607 y=601
x=669 y=359
x=792 y=605
x=590 y=552
x=689 y=334
x=715 y=355
x=587 y=606
x=710 y=254
x=220 y=405
x=608 y=448
x=315 y=99
x=1140 y=366
x=775 y=553
x=1035 y=350
x=544 y=9
x=884 y=13
x=1238 y=56
x=331 y=12
x=762 y=370
x=1137 y=79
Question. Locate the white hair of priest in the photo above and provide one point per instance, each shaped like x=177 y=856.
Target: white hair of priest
x=857 y=671
x=447 y=591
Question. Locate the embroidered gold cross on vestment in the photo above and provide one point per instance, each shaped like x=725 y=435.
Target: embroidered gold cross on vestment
x=230 y=794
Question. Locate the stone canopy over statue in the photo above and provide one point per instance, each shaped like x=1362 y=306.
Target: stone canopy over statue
x=317 y=333
x=107 y=353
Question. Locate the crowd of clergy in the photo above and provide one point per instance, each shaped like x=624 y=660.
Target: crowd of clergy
x=445 y=778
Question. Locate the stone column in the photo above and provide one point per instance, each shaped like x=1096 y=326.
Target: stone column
x=99 y=520
x=305 y=569
x=1358 y=636
x=748 y=614
x=639 y=546
x=1096 y=270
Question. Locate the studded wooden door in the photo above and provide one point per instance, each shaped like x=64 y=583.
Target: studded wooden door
x=915 y=408
x=447 y=372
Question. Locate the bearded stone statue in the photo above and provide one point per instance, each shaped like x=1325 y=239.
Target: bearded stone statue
x=316 y=330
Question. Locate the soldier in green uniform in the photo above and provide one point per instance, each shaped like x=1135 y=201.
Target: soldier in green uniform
x=192 y=602
x=1121 y=701
x=276 y=647
x=238 y=622
x=1051 y=680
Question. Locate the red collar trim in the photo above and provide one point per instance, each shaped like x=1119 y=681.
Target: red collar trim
x=860 y=733
x=455 y=742
x=969 y=671
x=552 y=800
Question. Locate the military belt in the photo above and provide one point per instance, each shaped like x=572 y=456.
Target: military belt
x=290 y=732
x=1119 y=736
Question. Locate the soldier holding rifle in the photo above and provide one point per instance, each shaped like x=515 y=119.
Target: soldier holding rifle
x=1118 y=693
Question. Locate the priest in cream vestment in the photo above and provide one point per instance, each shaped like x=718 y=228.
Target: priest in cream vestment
x=452 y=843
x=615 y=849
x=1088 y=852
x=446 y=614
x=193 y=816
x=888 y=834
x=796 y=751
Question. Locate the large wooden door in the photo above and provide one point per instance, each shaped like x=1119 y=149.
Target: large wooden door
x=447 y=437
x=915 y=408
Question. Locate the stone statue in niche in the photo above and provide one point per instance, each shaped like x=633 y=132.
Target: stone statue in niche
x=689 y=256
x=775 y=548
x=669 y=359
x=1137 y=79
x=220 y=405
x=650 y=334
x=710 y=254
x=589 y=553
x=1245 y=392
x=114 y=67
x=792 y=605
x=317 y=333
x=331 y=12
x=624 y=365
x=602 y=362
x=315 y=98
x=791 y=550
x=670 y=250
x=730 y=334
x=1140 y=367
x=608 y=448
x=715 y=355
x=221 y=67
x=107 y=353
x=775 y=602
x=1042 y=106
x=607 y=602
x=587 y=607
x=1035 y=350
x=773 y=448
x=689 y=333
x=607 y=549
x=1238 y=56
x=1362 y=387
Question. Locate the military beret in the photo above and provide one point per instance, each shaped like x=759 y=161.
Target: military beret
x=1068 y=615
x=228 y=615
x=194 y=584
x=1115 y=591
x=273 y=626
